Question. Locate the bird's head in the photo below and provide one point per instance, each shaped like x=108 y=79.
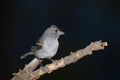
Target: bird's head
x=54 y=31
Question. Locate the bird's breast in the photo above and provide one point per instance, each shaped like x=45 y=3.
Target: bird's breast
x=49 y=48
x=50 y=44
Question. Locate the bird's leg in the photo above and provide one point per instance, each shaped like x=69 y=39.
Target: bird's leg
x=40 y=61
x=41 y=66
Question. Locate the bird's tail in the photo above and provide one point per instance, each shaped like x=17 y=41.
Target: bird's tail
x=25 y=55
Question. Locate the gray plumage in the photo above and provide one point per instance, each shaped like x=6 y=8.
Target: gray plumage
x=46 y=46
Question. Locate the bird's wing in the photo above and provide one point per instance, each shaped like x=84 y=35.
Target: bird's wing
x=36 y=47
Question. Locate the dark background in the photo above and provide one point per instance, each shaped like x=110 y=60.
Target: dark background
x=83 y=21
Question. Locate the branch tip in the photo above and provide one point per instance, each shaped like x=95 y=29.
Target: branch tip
x=103 y=44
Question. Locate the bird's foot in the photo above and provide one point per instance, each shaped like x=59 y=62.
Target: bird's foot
x=51 y=60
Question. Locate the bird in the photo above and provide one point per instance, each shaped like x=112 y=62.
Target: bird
x=47 y=45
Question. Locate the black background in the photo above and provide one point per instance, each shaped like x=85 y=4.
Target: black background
x=83 y=21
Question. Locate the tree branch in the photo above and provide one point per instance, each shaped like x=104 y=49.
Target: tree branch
x=28 y=74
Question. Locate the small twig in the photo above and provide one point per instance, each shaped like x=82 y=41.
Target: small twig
x=29 y=74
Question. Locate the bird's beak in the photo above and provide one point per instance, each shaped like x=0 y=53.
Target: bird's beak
x=61 y=33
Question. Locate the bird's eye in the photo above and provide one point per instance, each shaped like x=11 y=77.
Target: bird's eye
x=56 y=30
